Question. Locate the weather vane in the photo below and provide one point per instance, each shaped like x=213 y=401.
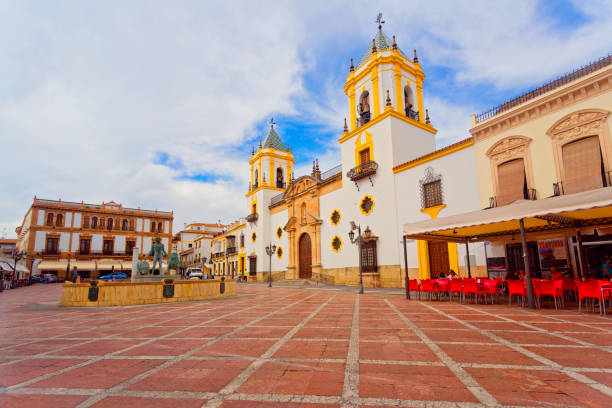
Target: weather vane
x=272 y=123
x=379 y=21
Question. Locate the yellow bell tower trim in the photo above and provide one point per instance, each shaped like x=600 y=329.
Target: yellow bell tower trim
x=375 y=92
x=433 y=211
x=359 y=147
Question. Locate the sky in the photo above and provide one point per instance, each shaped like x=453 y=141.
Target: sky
x=157 y=104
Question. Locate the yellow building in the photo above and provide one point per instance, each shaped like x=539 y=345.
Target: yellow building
x=227 y=251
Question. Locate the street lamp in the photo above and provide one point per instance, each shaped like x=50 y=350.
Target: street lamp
x=16 y=256
x=270 y=250
x=360 y=240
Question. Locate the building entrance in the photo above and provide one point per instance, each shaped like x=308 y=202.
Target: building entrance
x=438 y=258
x=305 y=257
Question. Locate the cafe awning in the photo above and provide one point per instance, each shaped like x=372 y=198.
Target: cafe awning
x=46 y=265
x=553 y=216
x=83 y=265
x=107 y=265
x=126 y=265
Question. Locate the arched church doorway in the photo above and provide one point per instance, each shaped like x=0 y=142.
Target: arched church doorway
x=305 y=257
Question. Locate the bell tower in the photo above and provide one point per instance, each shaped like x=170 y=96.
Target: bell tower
x=384 y=77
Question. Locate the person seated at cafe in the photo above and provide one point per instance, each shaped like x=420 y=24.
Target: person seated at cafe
x=442 y=276
x=510 y=275
x=521 y=274
x=555 y=274
x=606 y=269
x=451 y=275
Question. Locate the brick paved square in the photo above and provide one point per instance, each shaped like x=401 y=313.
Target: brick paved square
x=296 y=378
x=538 y=387
x=192 y=375
x=396 y=364
x=411 y=382
x=99 y=374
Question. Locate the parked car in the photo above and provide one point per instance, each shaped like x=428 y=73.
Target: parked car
x=194 y=273
x=114 y=276
x=50 y=278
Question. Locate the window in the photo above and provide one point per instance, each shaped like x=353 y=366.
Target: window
x=254 y=208
x=279 y=232
x=242 y=240
x=86 y=221
x=364 y=156
x=582 y=165
x=366 y=205
x=279 y=252
x=336 y=243
x=364 y=108
x=432 y=193
x=190 y=245
x=131 y=225
x=511 y=182
x=50 y=219
x=59 y=220
x=152 y=228
x=52 y=245
x=107 y=246
x=102 y=222
x=279 y=178
x=129 y=247
x=84 y=246
x=109 y=224
x=303 y=213
x=124 y=225
x=256 y=180
x=369 y=261
x=335 y=217
x=409 y=103
x=160 y=227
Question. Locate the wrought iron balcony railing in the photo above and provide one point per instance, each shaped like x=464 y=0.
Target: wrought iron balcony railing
x=281 y=184
x=218 y=254
x=412 y=114
x=230 y=250
x=363 y=170
x=252 y=217
x=530 y=194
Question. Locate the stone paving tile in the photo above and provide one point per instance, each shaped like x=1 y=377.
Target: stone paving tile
x=151 y=331
x=261 y=404
x=539 y=388
x=131 y=402
x=99 y=374
x=236 y=348
x=467 y=335
x=38 y=347
x=593 y=338
x=574 y=357
x=388 y=334
x=192 y=375
x=262 y=331
x=204 y=332
x=323 y=333
x=473 y=353
x=396 y=352
x=296 y=378
x=500 y=326
x=412 y=382
x=164 y=347
x=40 y=401
x=96 y=348
x=534 y=338
x=603 y=378
x=25 y=370
x=568 y=327
x=319 y=349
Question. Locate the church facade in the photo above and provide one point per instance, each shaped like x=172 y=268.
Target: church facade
x=389 y=173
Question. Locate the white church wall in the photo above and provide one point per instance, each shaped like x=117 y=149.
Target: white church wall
x=279 y=220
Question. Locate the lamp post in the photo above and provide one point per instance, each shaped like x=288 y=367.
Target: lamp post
x=359 y=240
x=16 y=256
x=270 y=250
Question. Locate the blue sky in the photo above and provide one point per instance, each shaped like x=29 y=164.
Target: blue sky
x=157 y=104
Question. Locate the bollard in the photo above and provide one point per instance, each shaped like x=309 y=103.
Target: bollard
x=222 y=285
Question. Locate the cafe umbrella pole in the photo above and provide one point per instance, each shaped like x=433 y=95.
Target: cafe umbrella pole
x=530 y=296
x=406 y=266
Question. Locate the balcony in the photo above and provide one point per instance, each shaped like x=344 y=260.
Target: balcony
x=362 y=171
x=530 y=194
x=218 y=254
x=230 y=250
x=281 y=184
x=412 y=114
x=562 y=188
x=252 y=217
x=51 y=251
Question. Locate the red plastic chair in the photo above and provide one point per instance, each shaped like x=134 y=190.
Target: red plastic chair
x=413 y=286
x=570 y=286
x=516 y=288
x=456 y=286
x=588 y=290
x=547 y=288
x=441 y=287
x=490 y=287
x=427 y=286
x=470 y=286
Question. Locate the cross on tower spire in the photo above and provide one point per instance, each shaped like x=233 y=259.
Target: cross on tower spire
x=272 y=123
x=379 y=21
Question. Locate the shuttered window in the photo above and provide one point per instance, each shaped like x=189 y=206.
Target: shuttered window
x=369 y=262
x=432 y=194
x=510 y=181
x=582 y=165
x=364 y=156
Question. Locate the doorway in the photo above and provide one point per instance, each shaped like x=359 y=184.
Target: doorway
x=305 y=256
x=252 y=266
x=438 y=258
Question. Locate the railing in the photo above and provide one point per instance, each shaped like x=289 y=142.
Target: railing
x=277 y=199
x=281 y=184
x=230 y=250
x=412 y=114
x=362 y=171
x=552 y=85
x=331 y=172
x=51 y=252
x=252 y=217
x=88 y=205
x=530 y=194
x=218 y=254
x=559 y=187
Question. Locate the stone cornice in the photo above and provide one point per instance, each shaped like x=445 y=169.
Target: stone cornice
x=587 y=87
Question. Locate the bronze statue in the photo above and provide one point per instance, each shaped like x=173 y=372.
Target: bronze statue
x=157 y=250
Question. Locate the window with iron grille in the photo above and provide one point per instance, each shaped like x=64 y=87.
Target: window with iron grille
x=369 y=262
x=431 y=189
x=432 y=193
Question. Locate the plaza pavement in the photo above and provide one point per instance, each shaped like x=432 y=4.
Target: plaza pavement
x=299 y=347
